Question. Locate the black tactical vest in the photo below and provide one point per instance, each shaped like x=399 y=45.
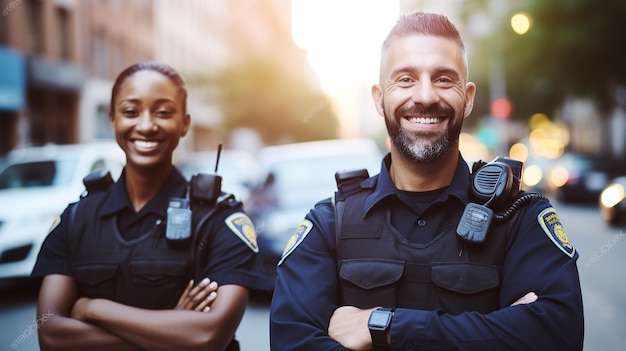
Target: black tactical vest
x=379 y=267
x=144 y=272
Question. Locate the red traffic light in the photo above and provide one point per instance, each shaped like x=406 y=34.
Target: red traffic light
x=501 y=108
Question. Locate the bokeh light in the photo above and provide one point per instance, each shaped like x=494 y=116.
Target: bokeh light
x=472 y=149
x=532 y=175
x=520 y=22
x=558 y=176
x=547 y=139
x=612 y=195
x=519 y=152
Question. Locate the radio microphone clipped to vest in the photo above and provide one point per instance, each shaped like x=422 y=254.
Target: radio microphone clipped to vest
x=178 y=227
x=495 y=184
x=204 y=190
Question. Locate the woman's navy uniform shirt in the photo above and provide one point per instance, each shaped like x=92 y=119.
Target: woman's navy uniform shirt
x=231 y=258
x=307 y=289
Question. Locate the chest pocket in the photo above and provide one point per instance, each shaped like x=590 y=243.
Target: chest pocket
x=151 y=276
x=367 y=283
x=466 y=286
x=96 y=281
x=454 y=287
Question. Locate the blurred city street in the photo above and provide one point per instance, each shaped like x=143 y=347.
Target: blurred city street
x=602 y=258
x=273 y=81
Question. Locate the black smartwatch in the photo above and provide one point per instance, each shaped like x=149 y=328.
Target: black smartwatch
x=378 y=324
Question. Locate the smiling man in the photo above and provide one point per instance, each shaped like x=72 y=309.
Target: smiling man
x=383 y=266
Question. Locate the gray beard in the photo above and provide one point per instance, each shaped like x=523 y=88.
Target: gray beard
x=418 y=149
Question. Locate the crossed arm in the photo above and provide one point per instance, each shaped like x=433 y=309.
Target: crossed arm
x=348 y=325
x=202 y=319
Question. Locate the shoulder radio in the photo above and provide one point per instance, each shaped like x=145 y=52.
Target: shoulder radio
x=493 y=187
x=204 y=190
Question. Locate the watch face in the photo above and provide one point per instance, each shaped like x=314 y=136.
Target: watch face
x=379 y=318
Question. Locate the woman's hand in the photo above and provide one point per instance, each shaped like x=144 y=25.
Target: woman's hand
x=79 y=310
x=526 y=299
x=198 y=298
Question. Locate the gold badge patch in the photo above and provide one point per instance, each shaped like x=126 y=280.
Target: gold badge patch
x=298 y=236
x=551 y=225
x=242 y=226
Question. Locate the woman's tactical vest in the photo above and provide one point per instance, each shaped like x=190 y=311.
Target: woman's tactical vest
x=146 y=272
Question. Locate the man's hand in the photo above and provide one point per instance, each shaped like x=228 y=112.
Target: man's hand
x=348 y=325
x=198 y=298
x=526 y=299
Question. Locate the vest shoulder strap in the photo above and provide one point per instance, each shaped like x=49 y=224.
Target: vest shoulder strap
x=199 y=244
x=348 y=183
x=95 y=182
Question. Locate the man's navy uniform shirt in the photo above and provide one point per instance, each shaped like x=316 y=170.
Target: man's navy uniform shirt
x=307 y=288
x=230 y=260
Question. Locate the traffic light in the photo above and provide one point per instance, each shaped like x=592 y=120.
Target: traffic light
x=501 y=108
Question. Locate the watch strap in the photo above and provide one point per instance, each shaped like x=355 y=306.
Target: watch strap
x=379 y=333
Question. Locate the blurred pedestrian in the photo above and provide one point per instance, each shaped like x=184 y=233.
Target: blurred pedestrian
x=390 y=263
x=119 y=272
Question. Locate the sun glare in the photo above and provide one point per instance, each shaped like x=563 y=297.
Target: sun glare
x=342 y=38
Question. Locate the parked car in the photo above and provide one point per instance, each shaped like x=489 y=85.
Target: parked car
x=238 y=169
x=294 y=178
x=611 y=202
x=579 y=177
x=36 y=185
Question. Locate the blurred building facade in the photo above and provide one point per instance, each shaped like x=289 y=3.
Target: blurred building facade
x=58 y=59
x=190 y=35
x=40 y=40
x=68 y=52
x=112 y=35
x=263 y=28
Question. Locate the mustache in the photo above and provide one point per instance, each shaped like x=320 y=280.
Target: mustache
x=419 y=109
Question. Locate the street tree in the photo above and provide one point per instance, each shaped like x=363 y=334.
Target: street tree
x=260 y=95
x=575 y=48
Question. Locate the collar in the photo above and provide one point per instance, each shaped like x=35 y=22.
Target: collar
x=384 y=186
x=175 y=186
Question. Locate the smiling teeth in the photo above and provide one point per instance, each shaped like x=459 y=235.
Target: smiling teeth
x=424 y=120
x=145 y=144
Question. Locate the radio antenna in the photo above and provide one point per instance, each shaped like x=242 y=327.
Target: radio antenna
x=219 y=153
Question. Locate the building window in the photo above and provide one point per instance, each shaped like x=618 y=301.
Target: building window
x=34 y=23
x=120 y=57
x=4 y=40
x=99 y=56
x=64 y=34
x=103 y=128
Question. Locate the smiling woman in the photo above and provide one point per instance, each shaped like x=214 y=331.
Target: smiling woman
x=118 y=271
x=149 y=117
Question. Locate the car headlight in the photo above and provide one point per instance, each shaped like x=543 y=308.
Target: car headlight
x=612 y=195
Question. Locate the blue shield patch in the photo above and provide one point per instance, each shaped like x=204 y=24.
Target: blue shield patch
x=240 y=224
x=551 y=225
x=298 y=236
